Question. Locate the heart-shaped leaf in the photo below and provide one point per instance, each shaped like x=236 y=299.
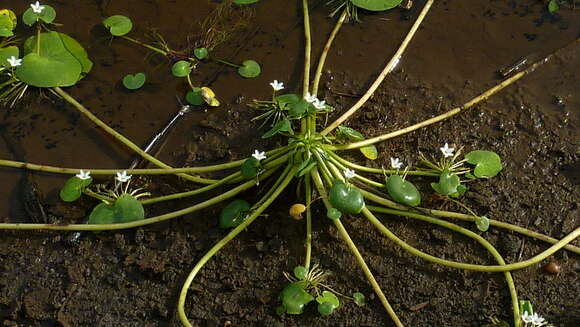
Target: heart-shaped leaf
x=286 y=101
x=73 y=187
x=200 y=53
x=359 y=299
x=298 y=109
x=487 y=163
x=346 y=198
x=134 y=82
x=294 y=298
x=125 y=209
x=118 y=25
x=325 y=308
x=7 y=53
x=376 y=5
x=403 y=191
x=181 y=68
x=47 y=15
x=330 y=297
x=333 y=214
x=102 y=214
x=281 y=126
x=250 y=168
x=194 y=97
x=234 y=213
x=448 y=183
x=249 y=69
x=482 y=223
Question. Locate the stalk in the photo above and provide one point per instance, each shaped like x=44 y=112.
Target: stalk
x=308 y=242
x=143 y=44
x=381 y=171
x=307 y=50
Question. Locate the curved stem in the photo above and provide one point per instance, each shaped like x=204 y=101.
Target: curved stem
x=224 y=62
x=324 y=54
x=255 y=214
x=490 y=248
x=390 y=65
x=123 y=139
x=355 y=166
x=143 y=44
x=360 y=260
x=453 y=264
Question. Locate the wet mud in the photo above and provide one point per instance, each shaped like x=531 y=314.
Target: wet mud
x=133 y=277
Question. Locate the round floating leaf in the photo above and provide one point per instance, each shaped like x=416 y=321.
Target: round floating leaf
x=245 y=2
x=51 y=65
x=403 y=191
x=77 y=50
x=281 y=126
x=487 y=163
x=181 y=68
x=73 y=187
x=359 y=299
x=250 y=168
x=194 y=97
x=234 y=213
x=127 y=209
x=300 y=272
x=448 y=183
x=200 y=53
x=370 y=152
x=133 y=82
x=249 y=69
x=47 y=15
x=6 y=53
x=482 y=223
x=325 y=308
x=295 y=298
x=376 y=5
x=346 y=198
x=118 y=25
x=333 y=214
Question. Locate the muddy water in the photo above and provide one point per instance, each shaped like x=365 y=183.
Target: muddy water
x=456 y=54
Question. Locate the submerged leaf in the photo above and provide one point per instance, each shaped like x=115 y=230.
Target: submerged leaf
x=118 y=25
x=133 y=82
x=249 y=69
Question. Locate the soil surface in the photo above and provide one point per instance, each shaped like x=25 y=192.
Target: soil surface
x=133 y=277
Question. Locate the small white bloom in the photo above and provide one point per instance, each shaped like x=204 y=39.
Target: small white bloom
x=123 y=177
x=538 y=320
x=259 y=155
x=396 y=163
x=277 y=86
x=447 y=151
x=348 y=173
x=84 y=175
x=14 y=62
x=36 y=7
x=526 y=317
x=319 y=104
x=310 y=98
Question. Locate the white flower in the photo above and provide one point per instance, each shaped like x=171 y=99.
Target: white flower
x=447 y=151
x=348 y=173
x=259 y=155
x=277 y=86
x=526 y=317
x=123 y=177
x=36 y=7
x=84 y=175
x=14 y=62
x=310 y=98
x=318 y=104
x=538 y=320
x=396 y=163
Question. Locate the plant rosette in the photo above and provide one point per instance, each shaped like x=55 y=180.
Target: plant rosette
x=346 y=198
x=125 y=209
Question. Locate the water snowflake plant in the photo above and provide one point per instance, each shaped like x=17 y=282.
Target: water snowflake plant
x=311 y=156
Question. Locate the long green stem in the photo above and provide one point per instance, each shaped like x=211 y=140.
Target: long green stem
x=484 y=268
x=143 y=44
x=324 y=54
x=355 y=166
x=308 y=241
x=224 y=62
x=305 y=122
x=231 y=235
x=360 y=260
x=490 y=248
x=123 y=139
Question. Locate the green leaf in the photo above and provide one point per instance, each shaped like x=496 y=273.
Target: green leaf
x=370 y=152
x=333 y=214
x=461 y=189
x=181 y=68
x=376 y=5
x=295 y=298
x=194 y=97
x=7 y=24
x=52 y=64
x=403 y=191
x=281 y=126
x=102 y=214
x=346 y=198
x=482 y=223
x=73 y=187
x=328 y=297
x=487 y=163
x=300 y=272
x=350 y=133
x=448 y=183
x=234 y=213
x=125 y=209
x=526 y=306
x=359 y=299
x=250 y=168
x=325 y=309
x=133 y=82
x=47 y=15
x=200 y=53
x=249 y=69
x=245 y=2
x=286 y=101
x=118 y=25
x=553 y=6
x=6 y=53
x=298 y=109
